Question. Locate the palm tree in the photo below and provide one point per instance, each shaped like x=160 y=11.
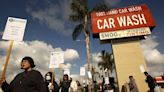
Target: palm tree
x=81 y=14
x=107 y=61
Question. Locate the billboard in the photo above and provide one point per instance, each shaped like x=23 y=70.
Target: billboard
x=131 y=17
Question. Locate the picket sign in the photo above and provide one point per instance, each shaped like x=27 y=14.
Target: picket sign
x=14 y=31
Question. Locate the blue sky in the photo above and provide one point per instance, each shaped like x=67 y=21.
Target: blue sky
x=48 y=29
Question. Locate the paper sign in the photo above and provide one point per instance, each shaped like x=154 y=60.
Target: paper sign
x=89 y=75
x=82 y=71
x=106 y=70
x=67 y=71
x=56 y=59
x=53 y=64
x=106 y=80
x=14 y=29
x=142 y=68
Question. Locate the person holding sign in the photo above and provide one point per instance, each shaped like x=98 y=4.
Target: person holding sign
x=51 y=83
x=65 y=84
x=28 y=81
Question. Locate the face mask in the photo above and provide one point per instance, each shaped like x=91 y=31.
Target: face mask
x=48 y=78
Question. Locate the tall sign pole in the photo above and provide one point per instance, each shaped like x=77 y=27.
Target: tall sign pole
x=124 y=28
x=14 y=31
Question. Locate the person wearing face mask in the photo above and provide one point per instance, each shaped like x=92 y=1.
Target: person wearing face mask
x=29 y=80
x=51 y=84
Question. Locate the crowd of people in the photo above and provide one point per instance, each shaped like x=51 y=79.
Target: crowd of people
x=31 y=80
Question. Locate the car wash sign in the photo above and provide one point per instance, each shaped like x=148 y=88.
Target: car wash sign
x=122 y=22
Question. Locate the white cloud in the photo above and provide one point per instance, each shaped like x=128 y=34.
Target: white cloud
x=38 y=50
x=96 y=57
x=70 y=54
x=79 y=78
x=154 y=58
x=55 y=16
x=66 y=66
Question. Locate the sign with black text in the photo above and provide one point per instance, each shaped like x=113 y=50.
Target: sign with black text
x=56 y=58
x=14 y=29
x=125 y=33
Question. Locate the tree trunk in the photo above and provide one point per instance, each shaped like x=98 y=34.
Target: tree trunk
x=86 y=34
x=87 y=41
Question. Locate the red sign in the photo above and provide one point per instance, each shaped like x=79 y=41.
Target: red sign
x=122 y=18
x=159 y=80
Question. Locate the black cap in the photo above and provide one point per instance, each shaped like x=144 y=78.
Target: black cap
x=30 y=60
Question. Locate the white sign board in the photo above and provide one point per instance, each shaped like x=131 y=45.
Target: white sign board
x=14 y=29
x=89 y=75
x=142 y=69
x=82 y=71
x=56 y=59
x=125 y=33
x=106 y=80
x=67 y=71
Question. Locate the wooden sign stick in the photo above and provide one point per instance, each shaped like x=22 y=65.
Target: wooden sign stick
x=60 y=71
x=7 y=60
x=53 y=76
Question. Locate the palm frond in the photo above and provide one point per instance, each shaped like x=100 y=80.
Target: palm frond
x=77 y=31
x=101 y=7
x=76 y=17
x=79 y=10
x=106 y=62
x=79 y=7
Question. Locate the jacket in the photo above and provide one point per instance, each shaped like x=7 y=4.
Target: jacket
x=31 y=81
